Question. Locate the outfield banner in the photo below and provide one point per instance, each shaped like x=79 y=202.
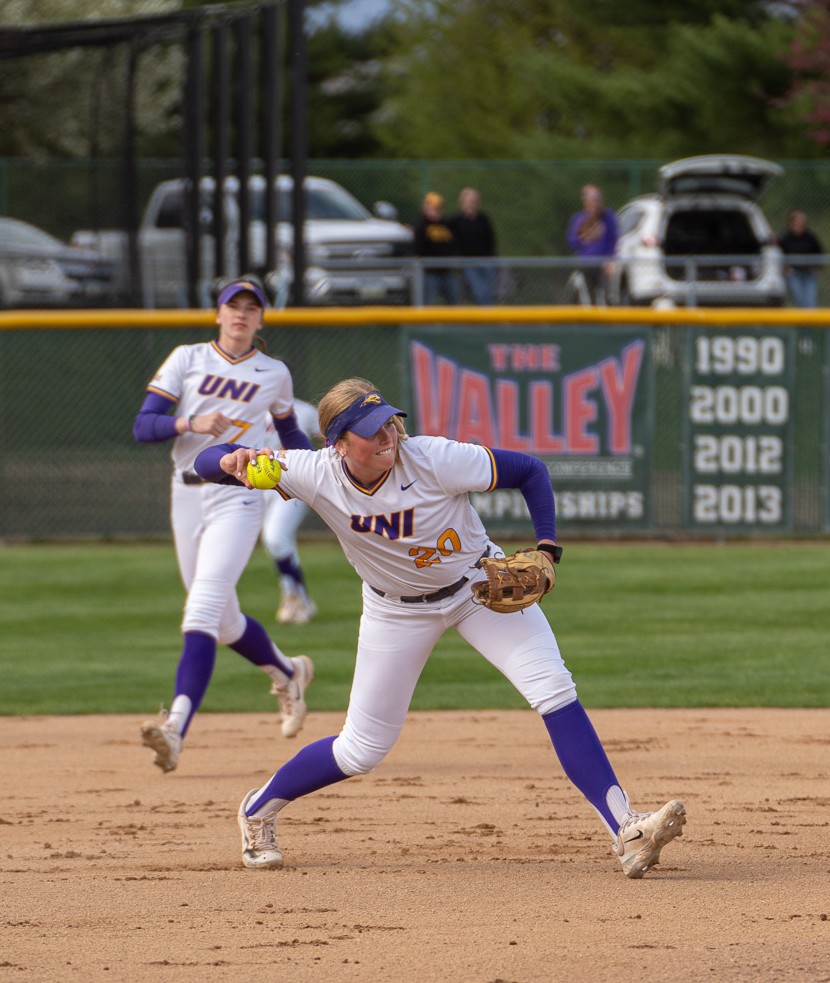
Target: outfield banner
x=738 y=464
x=577 y=397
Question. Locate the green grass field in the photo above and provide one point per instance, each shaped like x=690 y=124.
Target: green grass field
x=95 y=629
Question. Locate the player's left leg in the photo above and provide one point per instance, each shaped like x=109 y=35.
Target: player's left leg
x=523 y=647
x=290 y=675
x=232 y=523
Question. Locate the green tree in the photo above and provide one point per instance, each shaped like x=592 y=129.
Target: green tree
x=550 y=78
x=346 y=89
x=809 y=58
x=71 y=103
x=716 y=87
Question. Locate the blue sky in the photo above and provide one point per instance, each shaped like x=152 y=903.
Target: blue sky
x=357 y=13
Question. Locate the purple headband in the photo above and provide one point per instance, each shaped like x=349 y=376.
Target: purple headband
x=237 y=287
x=365 y=417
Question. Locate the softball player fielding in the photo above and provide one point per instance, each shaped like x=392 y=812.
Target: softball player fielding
x=220 y=389
x=400 y=508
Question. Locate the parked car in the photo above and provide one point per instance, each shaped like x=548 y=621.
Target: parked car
x=38 y=270
x=339 y=231
x=702 y=239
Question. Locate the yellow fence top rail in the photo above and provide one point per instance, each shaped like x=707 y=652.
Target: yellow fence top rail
x=350 y=316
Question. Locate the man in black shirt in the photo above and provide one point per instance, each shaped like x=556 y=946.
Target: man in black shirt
x=799 y=241
x=475 y=236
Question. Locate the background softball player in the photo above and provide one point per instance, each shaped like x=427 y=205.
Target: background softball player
x=220 y=389
x=401 y=510
x=283 y=518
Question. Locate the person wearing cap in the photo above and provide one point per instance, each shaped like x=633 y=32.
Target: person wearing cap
x=433 y=240
x=203 y=393
x=400 y=507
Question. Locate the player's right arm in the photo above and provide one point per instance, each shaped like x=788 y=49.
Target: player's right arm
x=226 y=464
x=154 y=422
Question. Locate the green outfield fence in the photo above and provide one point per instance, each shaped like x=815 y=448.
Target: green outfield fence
x=724 y=430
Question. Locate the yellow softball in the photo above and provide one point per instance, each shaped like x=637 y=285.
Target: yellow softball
x=264 y=472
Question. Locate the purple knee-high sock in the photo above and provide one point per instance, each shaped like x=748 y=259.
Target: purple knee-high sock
x=582 y=756
x=195 y=669
x=288 y=568
x=310 y=769
x=255 y=646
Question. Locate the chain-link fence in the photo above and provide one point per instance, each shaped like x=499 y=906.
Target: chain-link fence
x=529 y=202
x=646 y=429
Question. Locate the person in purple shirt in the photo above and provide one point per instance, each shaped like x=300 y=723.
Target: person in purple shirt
x=592 y=235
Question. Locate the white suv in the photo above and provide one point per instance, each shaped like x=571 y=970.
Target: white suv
x=702 y=239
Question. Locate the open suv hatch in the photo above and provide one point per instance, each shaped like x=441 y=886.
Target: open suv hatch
x=702 y=239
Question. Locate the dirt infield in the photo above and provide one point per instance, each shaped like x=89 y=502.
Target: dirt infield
x=466 y=856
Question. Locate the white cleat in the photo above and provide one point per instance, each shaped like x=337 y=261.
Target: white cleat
x=295 y=610
x=259 y=839
x=644 y=834
x=165 y=740
x=291 y=696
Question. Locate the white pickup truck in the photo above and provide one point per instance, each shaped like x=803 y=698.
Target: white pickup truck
x=352 y=256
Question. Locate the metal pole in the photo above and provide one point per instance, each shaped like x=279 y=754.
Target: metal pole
x=244 y=135
x=691 y=279
x=299 y=142
x=194 y=149
x=131 y=202
x=271 y=56
x=221 y=143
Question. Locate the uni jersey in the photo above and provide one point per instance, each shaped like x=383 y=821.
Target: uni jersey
x=416 y=530
x=203 y=379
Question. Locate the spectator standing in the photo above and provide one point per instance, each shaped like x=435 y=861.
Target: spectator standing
x=434 y=239
x=592 y=235
x=800 y=241
x=475 y=236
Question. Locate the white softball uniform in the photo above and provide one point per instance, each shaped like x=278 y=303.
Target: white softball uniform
x=283 y=517
x=412 y=534
x=207 y=518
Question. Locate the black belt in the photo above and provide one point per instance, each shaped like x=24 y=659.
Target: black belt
x=191 y=478
x=437 y=595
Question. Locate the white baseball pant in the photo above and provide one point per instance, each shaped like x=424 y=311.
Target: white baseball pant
x=394 y=643
x=215 y=528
